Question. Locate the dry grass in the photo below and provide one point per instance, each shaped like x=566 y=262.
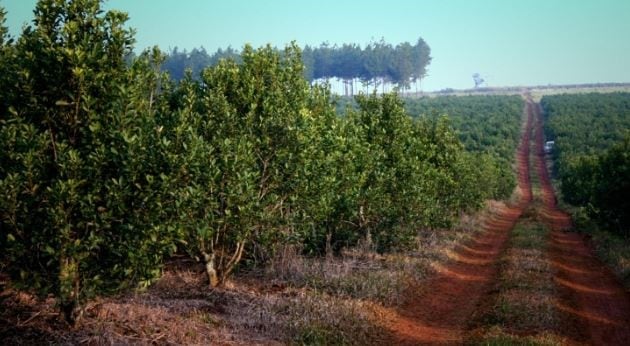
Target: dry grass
x=353 y=275
x=611 y=248
x=295 y=300
x=340 y=300
x=522 y=311
x=25 y=319
x=181 y=309
x=317 y=319
x=360 y=273
x=496 y=336
x=614 y=251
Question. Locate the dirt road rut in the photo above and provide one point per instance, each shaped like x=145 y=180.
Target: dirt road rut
x=594 y=307
x=440 y=313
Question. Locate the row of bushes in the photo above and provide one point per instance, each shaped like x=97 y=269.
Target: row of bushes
x=591 y=152
x=108 y=168
x=487 y=125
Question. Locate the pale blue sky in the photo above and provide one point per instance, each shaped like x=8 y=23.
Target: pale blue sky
x=510 y=42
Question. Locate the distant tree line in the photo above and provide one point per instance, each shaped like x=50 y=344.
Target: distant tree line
x=178 y=61
x=378 y=63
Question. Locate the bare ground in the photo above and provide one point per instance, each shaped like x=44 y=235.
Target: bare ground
x=592 y=305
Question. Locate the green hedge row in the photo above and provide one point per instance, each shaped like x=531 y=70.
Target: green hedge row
x=107 y=168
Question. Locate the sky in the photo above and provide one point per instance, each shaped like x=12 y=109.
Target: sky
x=509 y=42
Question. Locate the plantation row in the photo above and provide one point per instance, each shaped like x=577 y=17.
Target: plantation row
x=484 y=123
x=591 y=152
x=108 y=168
x=488 y=126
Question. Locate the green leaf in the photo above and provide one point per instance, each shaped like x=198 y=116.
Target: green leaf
x=49 y=250
x=95 y=127
x=63 y=103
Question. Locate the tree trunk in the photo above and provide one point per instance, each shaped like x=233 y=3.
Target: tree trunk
x=217 y=269
x=69 y=288
x=368 y=239
x=211 y=270
x=234 y=260
x=329 y=250
x=361 y=217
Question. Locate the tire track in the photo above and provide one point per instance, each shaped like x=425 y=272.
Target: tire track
x=439 y=311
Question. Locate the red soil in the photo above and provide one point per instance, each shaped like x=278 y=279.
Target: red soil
x=595 y=307
x=439 y=313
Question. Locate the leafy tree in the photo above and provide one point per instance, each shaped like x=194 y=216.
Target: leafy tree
x=612 y=187
x=309 y=61
x=7 y=70
x=420 y=59
x=401 y=67
x=81 y=214
x=176 y=64
x=382 y=125
x=409 y=172
x=248 y=117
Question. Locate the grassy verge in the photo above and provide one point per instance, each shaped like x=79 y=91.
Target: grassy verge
x=339 y=300
x=612 y=249
x=363 y=274
x=522 y=310
x=296 y=300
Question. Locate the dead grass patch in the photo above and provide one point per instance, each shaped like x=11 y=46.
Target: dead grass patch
x=612 y=249
x=615 y=251
x=295 y=300
x=522 y=312
x=26 y=319
x=496 y=336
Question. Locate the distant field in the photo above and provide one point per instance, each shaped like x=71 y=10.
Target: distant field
x=484 y=123
x=537 y=91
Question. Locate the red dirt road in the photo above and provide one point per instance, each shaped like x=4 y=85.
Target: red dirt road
x=595 y=307
x=440 y=312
